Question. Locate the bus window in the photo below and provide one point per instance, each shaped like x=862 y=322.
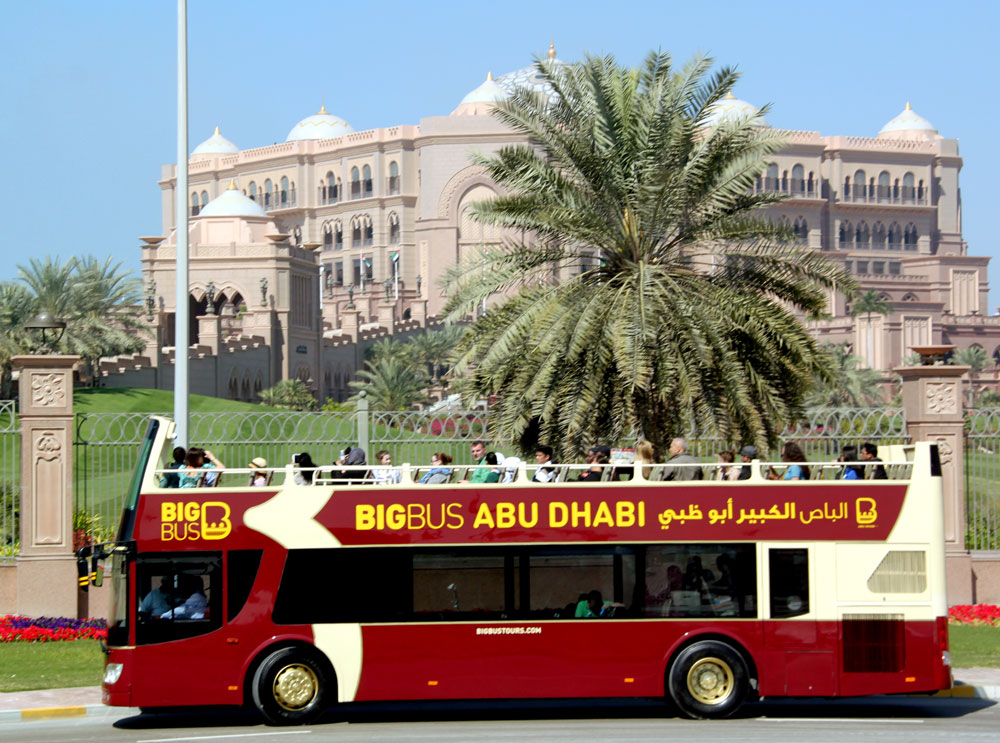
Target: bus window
x=450 y=586
x=560 y=583
x=242 y=571
x=789 y=577
x=701 y=580
x=178 y=596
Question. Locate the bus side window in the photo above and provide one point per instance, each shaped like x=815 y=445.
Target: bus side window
x=241 y=573
x=788 y=570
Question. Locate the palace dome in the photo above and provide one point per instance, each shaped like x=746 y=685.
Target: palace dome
x=730 y=108
x=323 y=125
x=908 y=125
x=528 y=77
x=232 y=203
x=481 y=100
x=216 y=145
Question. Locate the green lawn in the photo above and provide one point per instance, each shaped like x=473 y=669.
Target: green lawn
x=974 y=645
x=50 y=665
x=138 y=400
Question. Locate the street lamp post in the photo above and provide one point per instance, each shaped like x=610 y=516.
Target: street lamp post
x=49 y=328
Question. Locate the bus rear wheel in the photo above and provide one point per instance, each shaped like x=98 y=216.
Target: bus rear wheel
x=290 y=687
x=708 y=679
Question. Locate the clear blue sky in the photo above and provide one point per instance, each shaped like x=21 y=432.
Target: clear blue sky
x=89 y=90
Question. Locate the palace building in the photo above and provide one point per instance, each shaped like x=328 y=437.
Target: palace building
x=302 y=253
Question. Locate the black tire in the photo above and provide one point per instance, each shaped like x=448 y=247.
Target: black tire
x=290 y=687
x=708 y=679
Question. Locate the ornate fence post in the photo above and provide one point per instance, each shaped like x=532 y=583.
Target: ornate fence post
x=361 y=422
x=46 y=566
x=932 y=399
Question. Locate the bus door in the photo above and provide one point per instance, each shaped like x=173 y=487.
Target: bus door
x=801 y=650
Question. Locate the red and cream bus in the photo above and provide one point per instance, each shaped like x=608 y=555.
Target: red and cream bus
x=704 y=593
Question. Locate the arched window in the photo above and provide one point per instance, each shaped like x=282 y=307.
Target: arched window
x=368 y=233
x=393 y=178
x=234 y=386
x=884 y=186
x=771 y=181
x=895 y=236
x=910 y=237
x=878 y=236
x=297 y=236
x=253 y=190
x=204 y=199
x=921 y=193
x=327 y=236
x=330 y=189
x=909 y=297
x=245 y=389
x=355 y=183
x=909 y=193
x=284 y=190
x=861 y=236
x=996 y=356
x=798 y=179
x=784 y=181
x=811 y=183
x=393 y=229
x=846 y=236
x=195 y=205
x=355 y=233
x=268 y=189
x=801 y=230
x=883 y=297
x=858 y=192
x=338 y=235
x=847 y=188
x=895 y=191
x=366 y=181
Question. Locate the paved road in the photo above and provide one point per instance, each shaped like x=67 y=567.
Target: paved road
x=885 y=720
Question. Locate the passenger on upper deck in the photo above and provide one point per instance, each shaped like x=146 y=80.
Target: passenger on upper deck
x=644 y=457
x=797 y=470
x=679 y=455
x=493 y=459
x=851 y=471
x=439 y=472
x=543 y=456
x=596 y=459
x=747 y=454
x=385 y=474
x=478 y=451
x=869 y=453
x=172 y=479
x=258 y=472
x=197 y=472
x=304 y=469
x=353 y=462
x=727 y=471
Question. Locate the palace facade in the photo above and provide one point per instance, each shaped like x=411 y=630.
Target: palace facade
x=303 y=252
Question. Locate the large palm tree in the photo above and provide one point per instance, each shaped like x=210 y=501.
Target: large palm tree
x=870 y=303
x=392 y=384
x=675 y=305
x=975 y=358
x=850 y=386
x=17 y=306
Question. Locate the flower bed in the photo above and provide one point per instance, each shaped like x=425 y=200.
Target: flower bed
x=975 y=614
x=15 y=628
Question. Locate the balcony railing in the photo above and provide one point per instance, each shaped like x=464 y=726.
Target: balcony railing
x=795 y=187
x=329 y=195
x=861 y=194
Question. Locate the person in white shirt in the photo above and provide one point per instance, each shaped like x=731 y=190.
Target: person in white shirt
x=384 y=474
x=543 y=456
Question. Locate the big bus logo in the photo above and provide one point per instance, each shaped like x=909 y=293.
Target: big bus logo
x=189 y=521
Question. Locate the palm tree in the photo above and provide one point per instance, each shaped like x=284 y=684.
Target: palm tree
x=868 y=304
x=17 y=306
x=289 y=394
x=392 y=384
x=850 y=386
x=973 y=357
x=100 y=304
x=432 y=349
x=677 y=309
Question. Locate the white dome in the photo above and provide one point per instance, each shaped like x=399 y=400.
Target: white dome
x=323 y=125
x=232 y=203
x=528 y=77
x=482 y=99
x=908 y=125
x=731 y=108
x=216 y=145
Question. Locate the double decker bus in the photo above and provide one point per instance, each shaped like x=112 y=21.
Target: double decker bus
x=290 y=598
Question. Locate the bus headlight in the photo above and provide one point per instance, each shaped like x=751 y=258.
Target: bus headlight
x=112 y=672
x=946 y=657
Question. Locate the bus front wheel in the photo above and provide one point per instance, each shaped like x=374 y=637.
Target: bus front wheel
x=708 y=679
x=290 y=687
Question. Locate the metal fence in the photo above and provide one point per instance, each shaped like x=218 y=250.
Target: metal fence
x=982 y=478
x=10 y=480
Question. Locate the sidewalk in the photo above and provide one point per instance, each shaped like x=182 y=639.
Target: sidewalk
x=979 y=683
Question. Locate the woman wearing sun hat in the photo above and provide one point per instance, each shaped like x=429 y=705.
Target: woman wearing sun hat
x=258 y=472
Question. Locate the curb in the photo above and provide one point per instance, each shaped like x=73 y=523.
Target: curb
x=970 y=691
x=56 y=713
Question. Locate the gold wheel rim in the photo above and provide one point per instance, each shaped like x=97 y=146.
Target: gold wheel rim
x=295 y=686
x=710 y=681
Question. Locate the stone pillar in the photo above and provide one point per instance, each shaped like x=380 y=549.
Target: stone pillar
x=208 y=332
x=46 y=565
x=350 y=323
x=932 y=400
x=387 y=316
x=418 y=311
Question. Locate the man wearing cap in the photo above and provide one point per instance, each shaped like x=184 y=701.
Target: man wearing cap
x=748 y=453
x=258 y=473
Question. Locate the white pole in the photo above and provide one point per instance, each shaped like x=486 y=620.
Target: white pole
x=181 y=312
x=395 y=278
x=362 y=271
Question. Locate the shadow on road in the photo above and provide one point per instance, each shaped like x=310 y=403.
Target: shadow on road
x=570 y=709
